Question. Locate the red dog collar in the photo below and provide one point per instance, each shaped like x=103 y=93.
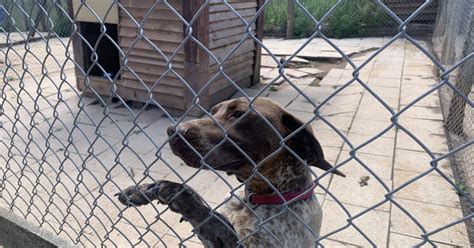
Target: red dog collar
x=302 y=195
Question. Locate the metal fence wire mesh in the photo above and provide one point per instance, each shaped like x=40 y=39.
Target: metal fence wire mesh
x=65 y=153
x=453 y=40
x=352 y=18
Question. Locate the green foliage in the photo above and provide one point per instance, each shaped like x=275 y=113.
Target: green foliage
x=352 y=18
x=461 y=188
x=20 y=17
x=62 y=25
x=273 y=88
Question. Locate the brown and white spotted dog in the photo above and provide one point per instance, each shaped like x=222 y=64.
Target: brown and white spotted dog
x=260 y=218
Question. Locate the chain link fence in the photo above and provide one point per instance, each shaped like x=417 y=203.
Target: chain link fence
x=36 y=16
x=354 y=18
x=32 y=21
x=65 y=151
x=452 y=41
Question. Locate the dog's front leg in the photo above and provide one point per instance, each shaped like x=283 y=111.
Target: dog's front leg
x=214 y=230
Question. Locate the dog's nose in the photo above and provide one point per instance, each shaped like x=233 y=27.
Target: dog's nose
x=186 y=129
x=171 y=130
x=183 y=129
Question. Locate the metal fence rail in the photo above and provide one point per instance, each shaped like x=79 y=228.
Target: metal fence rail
x=64 y=154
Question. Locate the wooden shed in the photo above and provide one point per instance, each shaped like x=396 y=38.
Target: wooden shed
x=155 y=53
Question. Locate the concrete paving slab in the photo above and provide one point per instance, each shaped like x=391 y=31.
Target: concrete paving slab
x=420 y=112
x=295 y=73
x=372 y=127
x=401 y=240
x=296 y=60
x=373 y=225
x=415 y=161
x=265 y=70
x=430 y=216
x=384 y=82
x=409 y=97
x=430 y=188
x=272 y=74
x=420 y=70
x=436 y=144
x=382 y=146
x=311 y=71
x=305 y=81
x=375 y=111
x=268 y=61
x=366 y=190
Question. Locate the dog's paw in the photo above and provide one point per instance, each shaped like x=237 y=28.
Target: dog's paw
x=137 y=195
x=163 y=191
x=166 y=191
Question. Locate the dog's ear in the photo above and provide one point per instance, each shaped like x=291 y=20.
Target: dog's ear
x=305 y=144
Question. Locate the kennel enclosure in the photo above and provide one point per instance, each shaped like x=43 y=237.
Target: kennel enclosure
x=163 y=56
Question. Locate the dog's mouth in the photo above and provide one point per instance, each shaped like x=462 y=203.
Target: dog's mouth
x=182 y=150
x=190 y=156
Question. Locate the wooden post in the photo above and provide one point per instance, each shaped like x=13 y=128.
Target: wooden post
x=77 y=46
x=258 y=49
x=196 y=60
x=290 y=23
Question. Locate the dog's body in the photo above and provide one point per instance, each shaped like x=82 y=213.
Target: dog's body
x=286 y=230
x=245 y=143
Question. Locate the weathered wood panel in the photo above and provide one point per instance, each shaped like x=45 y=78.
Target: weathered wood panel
x=150 y=79
x=226 y=30
x=220 y=52
x=155 y=70
x=229 y=1
x=219 y=7
x=258 y=47
x=138 y=55
x=236 y=73
x=139 y=14
x=220 y=16
x=133 y=93
x=168 y=48
x=224 y=93
x=196 y=59
x=225 y=24
x=243 y=58
x=159 y=32
x=160 y=88
x=147 y=4
x=236 y=69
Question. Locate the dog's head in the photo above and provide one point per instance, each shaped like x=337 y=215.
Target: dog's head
x=250 y=137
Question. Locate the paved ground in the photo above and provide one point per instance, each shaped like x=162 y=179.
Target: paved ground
x=35 y=164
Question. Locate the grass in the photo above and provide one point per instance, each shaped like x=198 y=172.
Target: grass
x=273 y=88
x=352 y=18
x=461 y=188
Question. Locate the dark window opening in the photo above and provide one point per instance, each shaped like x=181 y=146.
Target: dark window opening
x=107 y=52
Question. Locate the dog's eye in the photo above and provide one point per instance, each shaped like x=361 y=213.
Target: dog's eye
x=238 y=114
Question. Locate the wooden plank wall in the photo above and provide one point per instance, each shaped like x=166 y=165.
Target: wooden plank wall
x=162 y=30
x=226 y=30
